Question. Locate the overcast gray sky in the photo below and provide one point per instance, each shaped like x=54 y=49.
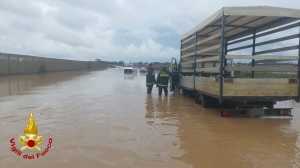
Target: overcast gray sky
x=111 y=30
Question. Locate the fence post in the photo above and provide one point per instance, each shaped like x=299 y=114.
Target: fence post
x=31 y=65
x=17 y=65
x=25 y=67
x=8 y=66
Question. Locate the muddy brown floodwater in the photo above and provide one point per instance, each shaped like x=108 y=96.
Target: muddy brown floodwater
x=105 y=119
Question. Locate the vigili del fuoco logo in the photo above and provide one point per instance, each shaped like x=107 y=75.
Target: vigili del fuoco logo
x=30 y=141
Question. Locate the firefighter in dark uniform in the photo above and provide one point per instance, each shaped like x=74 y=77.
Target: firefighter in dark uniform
x=150 y=78
x=163 y=80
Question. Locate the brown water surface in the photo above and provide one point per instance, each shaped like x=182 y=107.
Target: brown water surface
x=106 y=119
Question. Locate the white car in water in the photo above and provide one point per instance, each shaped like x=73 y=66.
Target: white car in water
x=128 y=68
x=143 y=69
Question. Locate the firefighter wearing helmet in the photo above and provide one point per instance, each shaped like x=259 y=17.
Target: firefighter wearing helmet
x=163 y=80
x=150 y=78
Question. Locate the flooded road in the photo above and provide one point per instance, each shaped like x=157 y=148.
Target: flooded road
x=105 y=119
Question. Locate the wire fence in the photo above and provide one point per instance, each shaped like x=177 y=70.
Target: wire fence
x=13 y=64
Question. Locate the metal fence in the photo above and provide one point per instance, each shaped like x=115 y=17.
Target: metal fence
x=14 y=64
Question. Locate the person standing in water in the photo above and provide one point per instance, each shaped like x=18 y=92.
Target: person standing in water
x=150 y=78
x=163 y=80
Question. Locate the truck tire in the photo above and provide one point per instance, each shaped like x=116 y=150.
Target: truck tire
x=209 y=102
x=205 y=101
x=187 y=93
x=182 y=91
x=199 y=99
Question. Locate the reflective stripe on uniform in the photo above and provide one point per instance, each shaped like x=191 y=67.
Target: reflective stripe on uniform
x=164 y=74
x=161 y=85
x=152 y=73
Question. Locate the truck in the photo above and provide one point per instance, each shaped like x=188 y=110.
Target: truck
x=210 y=53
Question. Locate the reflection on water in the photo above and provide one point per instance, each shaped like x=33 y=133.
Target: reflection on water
x=142 y=73
x=211 y=141
x=19 y=84
x=130 y=75
x=149 y=107
x=106 y=119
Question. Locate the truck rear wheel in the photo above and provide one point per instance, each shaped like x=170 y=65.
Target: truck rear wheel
x=199 y=99
x=209 y=102
x=206 y=102
x=186 y=92
x=182 y=91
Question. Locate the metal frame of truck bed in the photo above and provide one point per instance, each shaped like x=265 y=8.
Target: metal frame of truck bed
x=205 y=48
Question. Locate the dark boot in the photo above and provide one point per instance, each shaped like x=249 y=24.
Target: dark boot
x=159 y=91
x=149 y=89
x=166 y=91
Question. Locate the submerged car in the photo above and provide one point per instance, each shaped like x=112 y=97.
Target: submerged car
x=128 y=68
x=143 y=69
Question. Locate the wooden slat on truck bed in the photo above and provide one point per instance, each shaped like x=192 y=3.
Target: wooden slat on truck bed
x=208 y=85
x=260 y=87
x=187 y=82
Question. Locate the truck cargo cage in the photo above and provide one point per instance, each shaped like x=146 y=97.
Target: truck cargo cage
x=210 y=51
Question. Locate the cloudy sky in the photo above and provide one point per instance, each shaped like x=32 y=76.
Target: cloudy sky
x=111 y=30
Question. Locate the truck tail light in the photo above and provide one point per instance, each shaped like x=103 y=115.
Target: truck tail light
x=228 y=113
x=285 y=112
